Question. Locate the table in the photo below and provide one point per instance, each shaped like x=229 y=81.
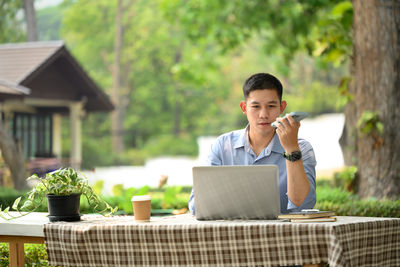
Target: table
x=183 y=241
x=17 y=232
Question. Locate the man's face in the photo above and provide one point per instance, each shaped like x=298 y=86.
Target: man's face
x=262 y=107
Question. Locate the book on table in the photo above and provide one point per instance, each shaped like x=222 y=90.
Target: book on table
x=307 y=215
x=313 y=220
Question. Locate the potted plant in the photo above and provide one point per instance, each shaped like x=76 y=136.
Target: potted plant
x=63 y=189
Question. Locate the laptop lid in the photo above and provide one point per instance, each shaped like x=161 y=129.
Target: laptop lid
x=236 y=192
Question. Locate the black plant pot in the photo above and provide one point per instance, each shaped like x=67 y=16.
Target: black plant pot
x=64 y=208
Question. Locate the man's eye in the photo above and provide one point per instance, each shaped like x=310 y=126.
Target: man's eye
x=255 y=106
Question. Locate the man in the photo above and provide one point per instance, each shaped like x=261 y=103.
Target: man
x=260 y=143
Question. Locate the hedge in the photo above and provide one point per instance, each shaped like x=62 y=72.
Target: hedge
x=336 y=199
x=328 y=198
x=35 y=255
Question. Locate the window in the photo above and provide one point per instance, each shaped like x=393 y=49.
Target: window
x=34 y=133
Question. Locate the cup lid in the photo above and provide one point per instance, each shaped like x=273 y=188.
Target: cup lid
x=141 y=198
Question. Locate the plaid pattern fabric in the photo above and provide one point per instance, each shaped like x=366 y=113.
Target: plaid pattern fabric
x=184 y=241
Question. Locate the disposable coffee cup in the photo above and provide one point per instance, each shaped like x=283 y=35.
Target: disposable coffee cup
x=141 y=208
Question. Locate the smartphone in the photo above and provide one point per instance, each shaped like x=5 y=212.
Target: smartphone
x=296 y=115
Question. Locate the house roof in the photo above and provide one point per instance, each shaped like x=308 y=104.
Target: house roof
x=12 y=90
x=51 y=72
x=8 y=87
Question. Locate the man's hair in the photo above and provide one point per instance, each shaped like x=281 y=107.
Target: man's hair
x=261 y=81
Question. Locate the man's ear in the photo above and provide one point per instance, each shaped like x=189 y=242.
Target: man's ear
x=283 y=106
x=243 y=107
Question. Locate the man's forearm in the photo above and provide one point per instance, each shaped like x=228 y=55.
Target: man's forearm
x=298 y=185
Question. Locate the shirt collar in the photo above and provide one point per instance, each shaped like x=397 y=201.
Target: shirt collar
x=242 y=138
x=243 y=141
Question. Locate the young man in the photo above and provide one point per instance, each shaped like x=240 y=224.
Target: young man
x=260 y=143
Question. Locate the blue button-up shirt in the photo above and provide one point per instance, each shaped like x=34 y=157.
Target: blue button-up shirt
x=233 y=148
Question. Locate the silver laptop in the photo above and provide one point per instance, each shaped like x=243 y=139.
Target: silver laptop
x=236 y=192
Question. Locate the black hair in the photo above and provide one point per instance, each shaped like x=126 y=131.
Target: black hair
x=261 y=81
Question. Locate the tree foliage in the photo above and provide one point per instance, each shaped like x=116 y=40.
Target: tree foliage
x=175 y=80
x=10 y=25
x=181 y=80
x=285 y=27
x=165 y=81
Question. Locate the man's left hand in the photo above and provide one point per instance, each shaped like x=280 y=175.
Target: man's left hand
x=287 y=131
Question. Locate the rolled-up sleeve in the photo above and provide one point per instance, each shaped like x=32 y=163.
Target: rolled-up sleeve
x=309 y=163
x=191 y=203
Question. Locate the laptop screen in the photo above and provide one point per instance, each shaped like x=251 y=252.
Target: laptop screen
x=236 y=192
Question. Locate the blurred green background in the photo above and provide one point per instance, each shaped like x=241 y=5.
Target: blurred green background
x=181 y=77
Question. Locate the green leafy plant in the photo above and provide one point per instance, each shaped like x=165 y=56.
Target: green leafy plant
x=123 y=196
x=370 y=123
x=35 y=255
x=62 y=182
x=347 y=178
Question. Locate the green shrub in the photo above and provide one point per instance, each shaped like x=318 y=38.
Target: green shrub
x=35 y=255
x=8 y=196
x=346 y=179
x=4 y=254
x=345 y=203
x=172 y=197
x=367 y=208
x=184 y=189
x=334 y=195
x=324 y=182
x=156 y=203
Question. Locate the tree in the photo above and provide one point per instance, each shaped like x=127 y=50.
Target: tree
x=30 y=20
x=118 y=115
x=372 y=120
x=164 y=83
x=11 y=152
x=290 y=26
x=14 y=158
x=10 y=30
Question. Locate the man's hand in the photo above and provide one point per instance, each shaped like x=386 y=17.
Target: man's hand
x=287 y=131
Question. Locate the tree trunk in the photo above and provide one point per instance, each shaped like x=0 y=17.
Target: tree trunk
x=177 y=97
x=13 y=156
x=177 y=113
x=30 y=19
x=116 y=116
x=377 y=89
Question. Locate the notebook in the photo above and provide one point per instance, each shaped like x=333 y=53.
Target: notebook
x=236 y=192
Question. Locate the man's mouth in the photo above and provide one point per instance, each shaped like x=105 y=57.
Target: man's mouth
x=264 y=123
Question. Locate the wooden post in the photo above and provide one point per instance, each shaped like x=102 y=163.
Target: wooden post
x=57 y=147
x=17 y=253
x=76 y=141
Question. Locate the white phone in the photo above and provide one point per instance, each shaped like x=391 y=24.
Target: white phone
x=296 y=115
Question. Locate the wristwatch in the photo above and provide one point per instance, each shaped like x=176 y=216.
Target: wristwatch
x=294 y=156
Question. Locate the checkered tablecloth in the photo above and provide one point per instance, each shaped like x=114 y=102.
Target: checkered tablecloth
x=183 y=241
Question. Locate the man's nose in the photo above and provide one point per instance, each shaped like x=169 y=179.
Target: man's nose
x=263 y=113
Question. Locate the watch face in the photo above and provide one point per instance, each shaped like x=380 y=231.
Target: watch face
x=296 y=155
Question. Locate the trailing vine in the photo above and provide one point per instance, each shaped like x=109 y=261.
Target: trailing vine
x=370 y=124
